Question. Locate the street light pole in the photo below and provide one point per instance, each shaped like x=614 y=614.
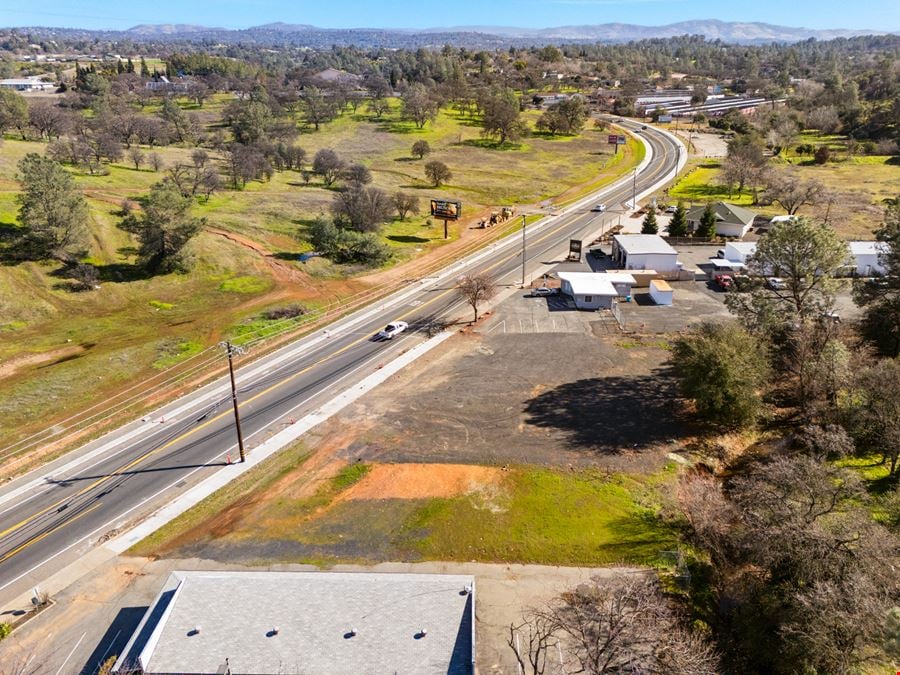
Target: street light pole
x=523 y=250
x=230 y=350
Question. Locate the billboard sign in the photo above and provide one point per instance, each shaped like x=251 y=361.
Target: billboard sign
x=575 y=249
x=665 y=118
x=612 y=139
x=447 y=209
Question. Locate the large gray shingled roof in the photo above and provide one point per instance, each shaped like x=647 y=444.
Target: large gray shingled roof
x=307 y=622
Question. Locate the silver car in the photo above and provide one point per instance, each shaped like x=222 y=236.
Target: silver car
x=393 y=329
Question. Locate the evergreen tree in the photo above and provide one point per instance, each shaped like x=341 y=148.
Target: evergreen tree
x=678 y=225
x=650 y=226
x=164 y=228
x=707 y=228
x=145 y=71
x=52 y=211
x=129 y=67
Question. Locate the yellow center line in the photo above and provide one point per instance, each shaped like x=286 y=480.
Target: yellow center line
x=46 y=534
x=218 y=417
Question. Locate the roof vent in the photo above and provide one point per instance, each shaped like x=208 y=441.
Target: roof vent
x=350 y=633
x=195 y=630
x=275 y=630
x=422 y=633
x=467 y=589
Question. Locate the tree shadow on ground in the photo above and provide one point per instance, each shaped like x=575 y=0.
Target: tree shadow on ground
x=489 y=144
x=122 y=272
x=611 y=414
x=400 y=127
x=408 y=159
x=407 y=239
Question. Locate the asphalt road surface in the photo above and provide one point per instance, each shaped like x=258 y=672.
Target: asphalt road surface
x=48 y=523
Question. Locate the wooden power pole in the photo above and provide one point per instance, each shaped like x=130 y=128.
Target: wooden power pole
x=231 y=350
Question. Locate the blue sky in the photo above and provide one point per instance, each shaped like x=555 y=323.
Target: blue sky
x=875 y=14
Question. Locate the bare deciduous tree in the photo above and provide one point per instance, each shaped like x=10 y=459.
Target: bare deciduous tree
x=476 y=289
x=437 y=172
x=405 y=204
x=610 y=626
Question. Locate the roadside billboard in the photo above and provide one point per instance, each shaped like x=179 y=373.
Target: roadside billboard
x=574 y=249
x=447 y=209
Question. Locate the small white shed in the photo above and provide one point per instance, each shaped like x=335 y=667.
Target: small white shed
x=589 y=290
x=661 y=292
x=864 y=258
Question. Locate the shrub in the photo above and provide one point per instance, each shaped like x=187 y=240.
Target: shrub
x=287 y=312
x=822 y=155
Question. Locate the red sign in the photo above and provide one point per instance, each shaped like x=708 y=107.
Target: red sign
x=612 y=139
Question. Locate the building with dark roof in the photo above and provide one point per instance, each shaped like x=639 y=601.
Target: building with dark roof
x=306 y=622
x=731 y=220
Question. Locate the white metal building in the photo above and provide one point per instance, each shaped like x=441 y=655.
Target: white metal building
x=864 y=258
x=644 y=252
x=739 y=251
x=590 y=290
x=27 y=84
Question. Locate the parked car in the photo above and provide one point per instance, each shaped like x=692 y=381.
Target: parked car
x=393 y=329
x=643 y=126
x=724 y=281
x=720 y=253
x=599 y=208
x=542 y=291
x=776 y=283
x=671 y=209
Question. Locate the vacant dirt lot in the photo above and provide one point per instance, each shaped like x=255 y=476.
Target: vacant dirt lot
x=552 y=399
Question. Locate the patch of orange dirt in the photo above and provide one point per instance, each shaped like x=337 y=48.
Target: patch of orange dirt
x=421 y=481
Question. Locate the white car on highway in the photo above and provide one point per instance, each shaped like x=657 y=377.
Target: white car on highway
x=599 y=208
x=392 y=329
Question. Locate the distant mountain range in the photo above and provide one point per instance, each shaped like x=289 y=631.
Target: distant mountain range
x=468 y=36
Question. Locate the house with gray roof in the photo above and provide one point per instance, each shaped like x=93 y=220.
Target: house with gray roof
x=731 y=220
x=306 y=622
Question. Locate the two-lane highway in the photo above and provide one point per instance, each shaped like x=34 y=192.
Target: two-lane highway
x=53 y=516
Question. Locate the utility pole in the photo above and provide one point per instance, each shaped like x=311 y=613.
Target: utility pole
x=523 y=250
x=230 y=350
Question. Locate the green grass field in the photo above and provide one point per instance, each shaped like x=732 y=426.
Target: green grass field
x=859 y=183
x=550 y=517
